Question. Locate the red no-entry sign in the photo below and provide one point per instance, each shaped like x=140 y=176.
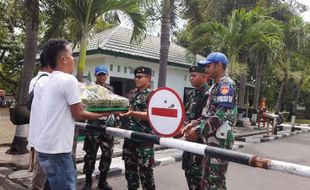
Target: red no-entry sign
x=165 y=112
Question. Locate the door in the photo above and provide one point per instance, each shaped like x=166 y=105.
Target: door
x=122 y=86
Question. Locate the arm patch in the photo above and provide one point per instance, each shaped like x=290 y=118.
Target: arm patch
x=225 y=95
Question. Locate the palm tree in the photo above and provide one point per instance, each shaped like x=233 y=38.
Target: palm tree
x=294 y=33
x=300 y=76
x=166 y=20
x=31 y=28
x=85 y=14
x=263 y=53
x=244 y=34
x=261 y=42
x=301 y=69
x=282 y=73
x=57 y=22
x=196 y=11
x=19 y=144
x=192 y=11
x=189 y=10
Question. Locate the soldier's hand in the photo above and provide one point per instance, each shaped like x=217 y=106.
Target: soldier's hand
x=126 y=114
x=191 y=135
x=194 y=122
x=179 y=135
x=186 y=128
x=118 y=113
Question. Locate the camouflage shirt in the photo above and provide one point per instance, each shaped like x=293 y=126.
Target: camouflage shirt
x=139 y=103
x=195 y=103
x=221 y=104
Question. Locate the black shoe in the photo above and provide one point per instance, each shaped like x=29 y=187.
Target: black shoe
x=87 y=186
x=88 y=183
x=103 y=184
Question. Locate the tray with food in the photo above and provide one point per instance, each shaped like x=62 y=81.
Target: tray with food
x=92 y=109
x=99 y=99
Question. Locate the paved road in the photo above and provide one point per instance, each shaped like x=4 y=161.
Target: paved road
x=6 y=184
x=293 y=149
x=7 y=129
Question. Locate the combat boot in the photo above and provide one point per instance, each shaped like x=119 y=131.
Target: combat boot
x=102 y=183
x=88 y=182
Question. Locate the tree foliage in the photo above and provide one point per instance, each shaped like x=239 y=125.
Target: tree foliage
x=264 y=38
x=11 y=45
x=271 y=39
x=85 y=14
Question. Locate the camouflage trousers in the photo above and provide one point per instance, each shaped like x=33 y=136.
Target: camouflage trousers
x=91 y=146
x=214 y=170
x=139 y=162
x=192 y=166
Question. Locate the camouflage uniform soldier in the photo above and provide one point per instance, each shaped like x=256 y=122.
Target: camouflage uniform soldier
x=139 y=156
x=218 y=116
x=94 y=140
x=192 y=163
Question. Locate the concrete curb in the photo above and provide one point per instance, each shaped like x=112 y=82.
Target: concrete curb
x=118 y=171
x=280 y=136
x=264 y=138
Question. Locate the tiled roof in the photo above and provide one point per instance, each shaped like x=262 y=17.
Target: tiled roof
x=117 y=40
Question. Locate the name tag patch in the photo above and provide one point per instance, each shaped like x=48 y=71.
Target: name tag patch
x=224 y=98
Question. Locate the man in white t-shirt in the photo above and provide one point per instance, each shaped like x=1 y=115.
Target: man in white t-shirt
x=39 y=180
x=60 y=105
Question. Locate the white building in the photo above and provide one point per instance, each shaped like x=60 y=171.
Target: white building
x=112 y=48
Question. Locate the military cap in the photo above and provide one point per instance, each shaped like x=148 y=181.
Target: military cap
x=197 y=69
x=143 y=70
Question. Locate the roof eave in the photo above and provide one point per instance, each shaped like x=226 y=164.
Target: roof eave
x=130 y=56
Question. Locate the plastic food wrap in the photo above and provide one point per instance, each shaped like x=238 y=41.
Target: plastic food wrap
x=96 y=96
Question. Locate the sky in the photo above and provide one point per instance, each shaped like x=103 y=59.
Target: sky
x=305 y=15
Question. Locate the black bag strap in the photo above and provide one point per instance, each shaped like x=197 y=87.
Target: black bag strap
x=38 y=79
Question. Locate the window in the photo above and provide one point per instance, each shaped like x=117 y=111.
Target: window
x=111 y=67
x=118 y=68
x=125 y=69
x=185 y=78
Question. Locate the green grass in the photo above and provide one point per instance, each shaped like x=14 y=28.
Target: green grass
x=303 y=121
